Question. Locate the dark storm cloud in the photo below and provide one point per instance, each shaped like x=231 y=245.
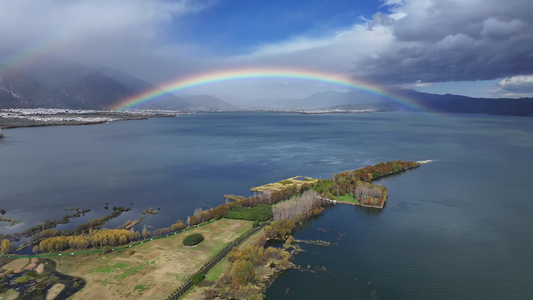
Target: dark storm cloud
x=448 y=40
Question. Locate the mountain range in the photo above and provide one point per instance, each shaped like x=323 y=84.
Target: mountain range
x=63 y=85
x=448 y=103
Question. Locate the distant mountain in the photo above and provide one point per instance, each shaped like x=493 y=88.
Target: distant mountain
x=461 y=104
x=168 y=101
x=317 y=100
x=76 y=86
x=62 y=85
x=19 y=90
x=207 y=102
x=432 y=102
x=329 y=99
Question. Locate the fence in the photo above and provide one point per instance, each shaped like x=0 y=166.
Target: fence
x=213 y=261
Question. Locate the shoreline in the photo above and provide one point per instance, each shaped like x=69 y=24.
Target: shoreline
x=41 y=117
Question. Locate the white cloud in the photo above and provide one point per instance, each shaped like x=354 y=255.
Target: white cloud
x=295 y=45
x=338 y=52
x=398 y=16
x=417 y=84
x=517 y=84
x=391 y=2
x=517 y=80
x=63 y=20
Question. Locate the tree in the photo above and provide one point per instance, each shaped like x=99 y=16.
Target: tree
x=279 y=229
x=234 y=255
x=197 y=278
x=197 y=211
x=242 y=273
x=5 y=247
x=193 y=239
x=35 y=249
x=177 y=226
x=285 y=263
x=288 y=242
x=193 y=220
x=145 y=232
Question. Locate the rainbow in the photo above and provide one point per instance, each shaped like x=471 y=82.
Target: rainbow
x=261 y=73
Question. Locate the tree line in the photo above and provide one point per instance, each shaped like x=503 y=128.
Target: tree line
x=383 y=169
x=95 y=238
x=260 y=213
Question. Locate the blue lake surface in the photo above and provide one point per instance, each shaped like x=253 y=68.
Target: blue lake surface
x=456 y=228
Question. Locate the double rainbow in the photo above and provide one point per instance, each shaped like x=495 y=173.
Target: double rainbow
x=261 y=73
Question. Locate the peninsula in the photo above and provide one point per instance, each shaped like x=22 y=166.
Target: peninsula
x=233 y=261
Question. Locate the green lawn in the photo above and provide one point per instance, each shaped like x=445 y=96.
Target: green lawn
x=261 y=213
x=347 y=198
x=217 y=270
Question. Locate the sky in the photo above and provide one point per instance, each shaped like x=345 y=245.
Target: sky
x=478 y=48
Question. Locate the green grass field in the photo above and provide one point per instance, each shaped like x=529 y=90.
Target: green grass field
x=347 y=198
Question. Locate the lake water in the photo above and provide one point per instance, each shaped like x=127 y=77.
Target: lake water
x=456 y=228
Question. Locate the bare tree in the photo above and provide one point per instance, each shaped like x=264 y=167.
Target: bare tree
x=298 y=207
x=197 y=211
x=266 y=197
x=363 y=190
